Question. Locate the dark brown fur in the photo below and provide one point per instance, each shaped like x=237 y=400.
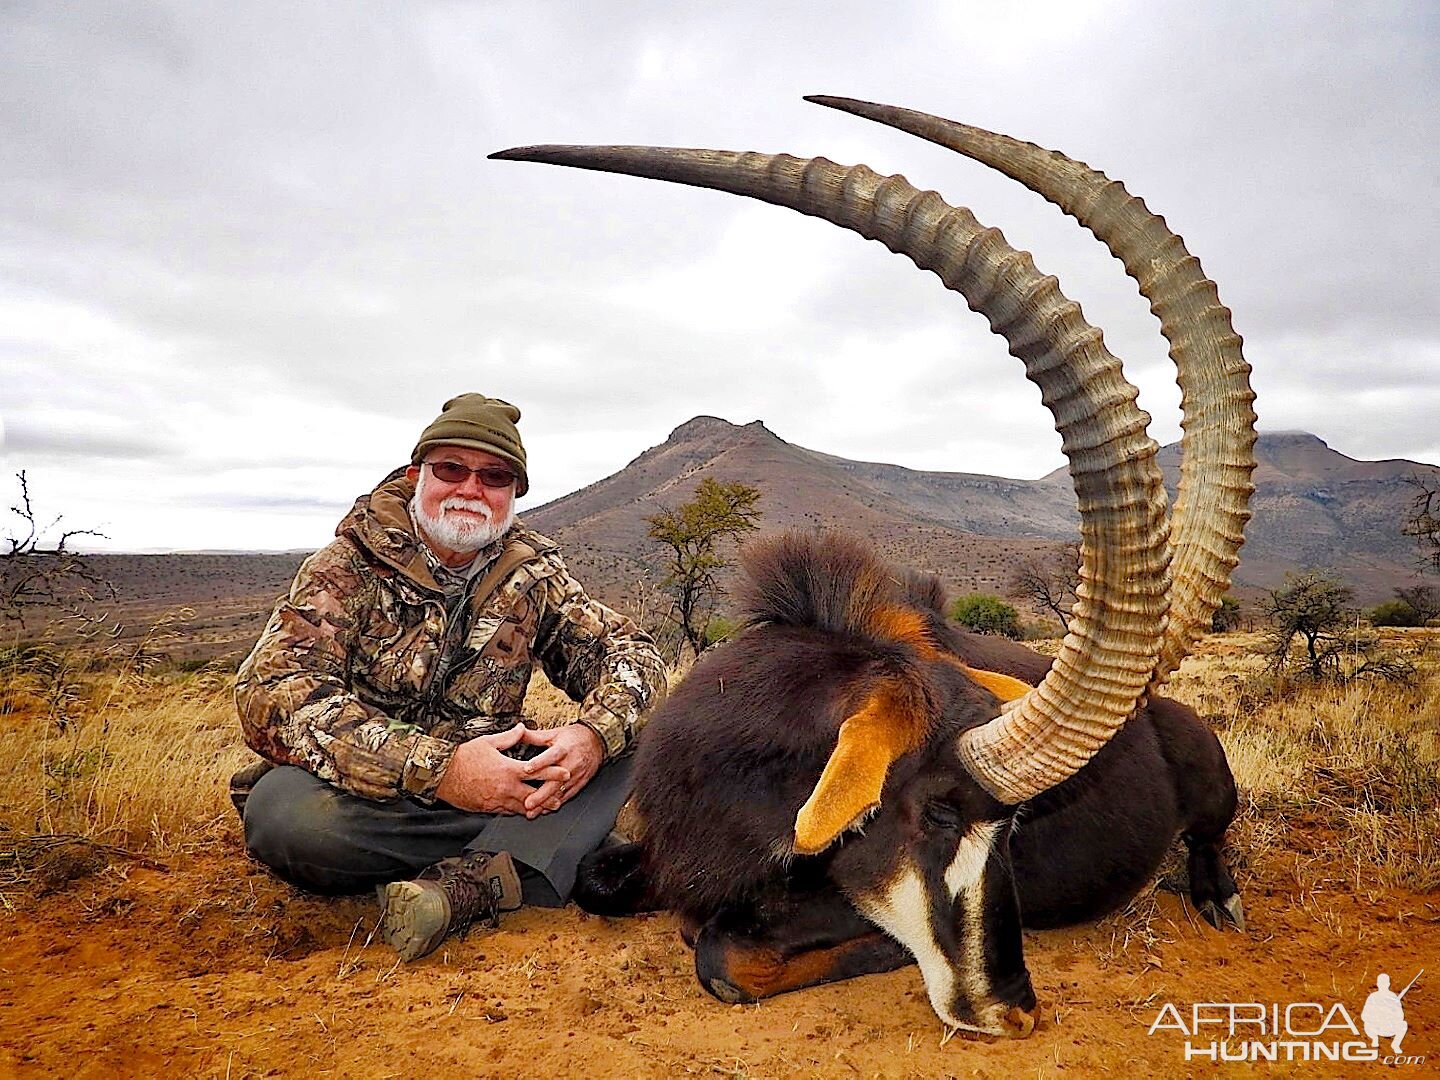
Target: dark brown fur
x=725 y=764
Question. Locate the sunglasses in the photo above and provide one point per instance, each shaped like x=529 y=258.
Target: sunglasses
x=452 y=472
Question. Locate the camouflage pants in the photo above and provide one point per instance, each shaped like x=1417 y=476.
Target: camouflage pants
x=324 y=840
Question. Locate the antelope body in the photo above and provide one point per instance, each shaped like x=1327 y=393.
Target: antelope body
x=841 y=790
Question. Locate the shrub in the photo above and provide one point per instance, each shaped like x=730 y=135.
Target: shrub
x=1425 y=599
x=1314 y=609
x=1394 y=613
x=986 y=614
x=719 y=628
x=1226 y=616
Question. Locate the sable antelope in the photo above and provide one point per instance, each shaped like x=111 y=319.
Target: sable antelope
x=847 y=763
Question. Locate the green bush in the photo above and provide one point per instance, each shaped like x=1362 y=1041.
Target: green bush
x=1226 y=616
x=719 y=628
x=986 y=614
x=1394 y=613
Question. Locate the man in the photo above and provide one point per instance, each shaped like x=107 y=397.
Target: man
x=388 y=686
x=1383 y=1015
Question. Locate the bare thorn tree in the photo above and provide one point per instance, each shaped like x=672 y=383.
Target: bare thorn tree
x=1423 y=521
x=693 y=531
x=38 y=574
x=1317 y=608
x=1048 y=580
x=1425 y=599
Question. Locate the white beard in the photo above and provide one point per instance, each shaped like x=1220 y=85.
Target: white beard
x=460 y=532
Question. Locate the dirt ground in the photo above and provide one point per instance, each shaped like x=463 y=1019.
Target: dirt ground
x=207 y=966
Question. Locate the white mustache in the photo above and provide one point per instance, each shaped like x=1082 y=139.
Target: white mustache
x=456 y=502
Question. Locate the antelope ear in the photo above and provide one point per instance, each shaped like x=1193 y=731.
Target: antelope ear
x=870 y=741
x=1003 y=687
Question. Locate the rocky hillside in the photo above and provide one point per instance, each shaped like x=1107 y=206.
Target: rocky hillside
x=1313 y=507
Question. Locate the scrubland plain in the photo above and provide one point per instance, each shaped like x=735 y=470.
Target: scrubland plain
x=137 y=938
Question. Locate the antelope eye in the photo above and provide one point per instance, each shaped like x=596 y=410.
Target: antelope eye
x=938 y=814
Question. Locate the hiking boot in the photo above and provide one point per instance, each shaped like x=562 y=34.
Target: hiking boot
x=416 y=916
x=244 y=781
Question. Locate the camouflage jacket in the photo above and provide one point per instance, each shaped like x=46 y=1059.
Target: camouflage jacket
x=368 y=674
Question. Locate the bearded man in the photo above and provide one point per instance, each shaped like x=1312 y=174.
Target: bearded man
x=388 y=688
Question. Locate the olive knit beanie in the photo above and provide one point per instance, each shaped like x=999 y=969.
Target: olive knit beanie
x=480 y=423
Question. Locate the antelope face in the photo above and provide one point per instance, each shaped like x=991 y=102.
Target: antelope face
x=932 y=869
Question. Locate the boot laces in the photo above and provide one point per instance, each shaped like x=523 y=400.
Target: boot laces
x=467 y=887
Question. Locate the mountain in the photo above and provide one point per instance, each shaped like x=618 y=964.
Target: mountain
x=1313 y=507
x=602 y=527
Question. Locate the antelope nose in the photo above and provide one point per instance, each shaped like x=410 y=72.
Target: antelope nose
x=1019 y=1022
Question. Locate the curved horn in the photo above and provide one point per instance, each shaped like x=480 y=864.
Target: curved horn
x=1217 y=452
x=1116 y=627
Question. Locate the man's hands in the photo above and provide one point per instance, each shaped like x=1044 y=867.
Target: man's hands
x=481 y=779
x=574 y=749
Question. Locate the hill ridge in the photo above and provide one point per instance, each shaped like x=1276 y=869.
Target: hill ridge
x=1314 y=506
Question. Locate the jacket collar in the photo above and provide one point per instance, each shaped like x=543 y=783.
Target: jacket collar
x=380 y=524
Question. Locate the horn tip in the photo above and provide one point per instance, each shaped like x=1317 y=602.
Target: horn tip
x=845 y=104
x=517 y=153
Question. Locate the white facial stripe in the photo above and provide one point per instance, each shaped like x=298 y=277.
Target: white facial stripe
x=968 y=866
x=903 y=911
x=964 y=877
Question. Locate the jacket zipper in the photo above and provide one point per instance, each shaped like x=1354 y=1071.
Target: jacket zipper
x=434 y=688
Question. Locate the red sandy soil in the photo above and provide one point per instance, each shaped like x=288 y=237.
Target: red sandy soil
x=210 y=967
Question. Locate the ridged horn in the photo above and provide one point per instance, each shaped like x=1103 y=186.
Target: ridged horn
x=1107 y=658
x=1217 y=451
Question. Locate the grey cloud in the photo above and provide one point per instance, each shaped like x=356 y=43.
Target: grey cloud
x=331 y=509
x=23 y=439
x=293 y=201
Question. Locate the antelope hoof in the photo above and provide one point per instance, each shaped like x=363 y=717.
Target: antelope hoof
x=1232 y=912
x=689 y=930
x=1236 y=911
x=1019 y=1023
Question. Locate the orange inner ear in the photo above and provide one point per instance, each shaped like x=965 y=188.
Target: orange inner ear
x=1002 y=686
x=889 y=724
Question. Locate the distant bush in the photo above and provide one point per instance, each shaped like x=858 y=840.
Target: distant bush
x=1425 y=599
x=1226 y=616
x=1315 y=633
x=986 y=614
x=1394 y=613
x=719 y=628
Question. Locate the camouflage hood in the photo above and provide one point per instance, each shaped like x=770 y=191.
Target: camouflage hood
x=379 y=523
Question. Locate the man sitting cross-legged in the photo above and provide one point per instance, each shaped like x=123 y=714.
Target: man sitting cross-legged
x=388 y=687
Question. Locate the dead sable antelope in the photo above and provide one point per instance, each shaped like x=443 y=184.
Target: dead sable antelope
x=850 y=762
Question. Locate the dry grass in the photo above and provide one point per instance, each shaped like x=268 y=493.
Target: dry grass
x=109 y=755
x=124 y=757
x=136 y=759
x=1361 y=759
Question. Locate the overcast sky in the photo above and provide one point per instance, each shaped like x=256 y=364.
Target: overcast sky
x=248 y=249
